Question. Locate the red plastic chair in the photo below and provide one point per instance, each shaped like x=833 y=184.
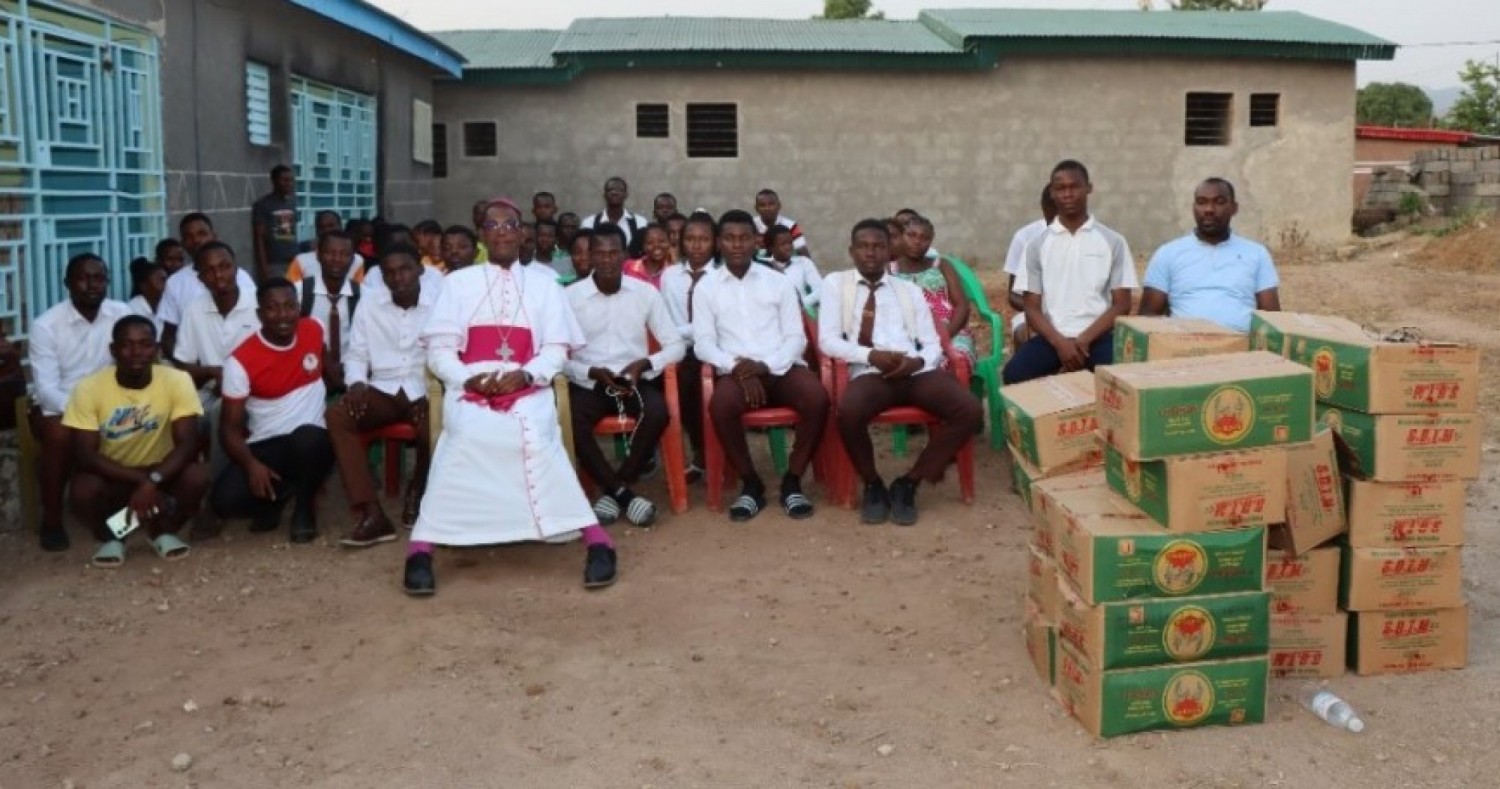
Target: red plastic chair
x=907 y=415
x=671 y=444
x=394 y=437
x=824 y=463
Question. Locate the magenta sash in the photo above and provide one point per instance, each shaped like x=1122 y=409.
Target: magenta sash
x=498 y=344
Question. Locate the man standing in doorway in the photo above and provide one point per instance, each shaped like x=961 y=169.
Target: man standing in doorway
x=274 y=225
x=1212 y=273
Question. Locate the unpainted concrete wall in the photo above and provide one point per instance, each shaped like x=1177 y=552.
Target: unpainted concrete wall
x=971 y=150
x=211 y=165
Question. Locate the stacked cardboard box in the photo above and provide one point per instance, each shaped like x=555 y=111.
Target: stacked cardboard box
x=1139 y=338
x=1163 y=618
x=1409 y=435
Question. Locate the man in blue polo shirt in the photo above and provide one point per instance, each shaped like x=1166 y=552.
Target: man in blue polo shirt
x=1211 y=273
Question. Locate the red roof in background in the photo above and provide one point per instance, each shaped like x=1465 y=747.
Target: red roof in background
x=1412 y=135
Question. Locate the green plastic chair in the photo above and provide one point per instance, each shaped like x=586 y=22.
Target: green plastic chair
x=986 y=378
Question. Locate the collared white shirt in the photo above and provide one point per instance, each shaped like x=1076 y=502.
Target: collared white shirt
x=207 y=337
x=374 y=281
x=306 y=264
x=803 y=273
x=844 y=296
x=799 y=243
x=758 y=316
x=184 y=288
x=383 y=350
x=1075 y=273
x=141 y=307
x=1015 y=260
x=322 y=309
x=615 y=329
x=65 y=348
x=676 y=286
x=602 y=217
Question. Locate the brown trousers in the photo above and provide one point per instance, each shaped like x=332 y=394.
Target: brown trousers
x=799 y=389
x=384 y=410
x=937 y=392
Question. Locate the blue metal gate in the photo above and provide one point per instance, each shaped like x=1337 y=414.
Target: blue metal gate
x=333 y=151
x=80 y=151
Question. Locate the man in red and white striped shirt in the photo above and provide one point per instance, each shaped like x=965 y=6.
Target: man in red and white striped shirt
x=271 y=421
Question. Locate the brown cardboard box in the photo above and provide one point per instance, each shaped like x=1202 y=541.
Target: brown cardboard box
x=1353 y=371
x=1315 y=499
x=1113 y=557
x=1399 y=642
x=1041 y=644
x=1308 y=646
x=1391 y=579
x=1398 y=514
x=1051 y=421
x=1085 y=493
x=1193 y=493
x=1153 y=632
x=1178 y=696
x=1407 y=447
x=1041 y=588
x=1025 y=474
x=1154 y=410
x=1306 y=584
x=1140 y=338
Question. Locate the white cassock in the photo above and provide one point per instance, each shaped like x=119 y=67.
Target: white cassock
x=500 y=472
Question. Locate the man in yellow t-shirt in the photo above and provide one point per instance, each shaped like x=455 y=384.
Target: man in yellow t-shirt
x=134 y=429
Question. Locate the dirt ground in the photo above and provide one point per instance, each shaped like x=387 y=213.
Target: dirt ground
x=770 y=654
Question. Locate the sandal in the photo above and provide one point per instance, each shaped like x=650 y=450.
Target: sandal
x=797 y=506
x=170 y=548
x=641 y=513
x=606 y=509
x=746 y=507
x=109 y=556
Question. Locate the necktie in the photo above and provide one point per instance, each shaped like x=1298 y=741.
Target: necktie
x=867 y=320
x=695 y=275
x=334 y=342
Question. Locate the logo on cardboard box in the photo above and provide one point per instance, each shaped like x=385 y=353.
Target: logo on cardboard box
x=1180 y=567
x=1187 y=698
x=1434 y=393
x=1129 y=345
x=1325 y=371
x=1410 y=565
x=1285 y=570
x=1430 y=436
x=1402 y=628
x=1228 y=415
x=1261 y=341
x=1190 y=633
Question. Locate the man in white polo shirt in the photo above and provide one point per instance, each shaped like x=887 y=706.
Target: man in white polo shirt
x=1079 y=278
x=272 y=419
x=613 y=373
x=631 y=224
x=747 y=323
x=185 y=286
x=1015 y=265
x=1212 y=273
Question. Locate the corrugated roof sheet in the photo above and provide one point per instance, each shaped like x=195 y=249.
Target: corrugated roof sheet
x=1264 y=26
x=502 y=49
x=699 y=34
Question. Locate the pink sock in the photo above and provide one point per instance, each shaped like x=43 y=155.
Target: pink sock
x=417 y=546
x=596 y=535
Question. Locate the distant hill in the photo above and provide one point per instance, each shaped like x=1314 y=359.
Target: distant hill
x=1443 y=98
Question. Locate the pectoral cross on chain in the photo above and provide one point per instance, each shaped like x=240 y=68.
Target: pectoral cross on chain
x=505 y=353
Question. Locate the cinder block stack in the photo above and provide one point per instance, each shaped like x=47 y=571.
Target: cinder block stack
x=1404 y=411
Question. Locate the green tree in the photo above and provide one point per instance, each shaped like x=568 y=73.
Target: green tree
x=1217 y=5
x=850 y=9
x=1393 y=104
x=1478 y=107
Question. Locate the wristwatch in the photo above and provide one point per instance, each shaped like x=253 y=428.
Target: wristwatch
x=530 y=379
x=154 y=477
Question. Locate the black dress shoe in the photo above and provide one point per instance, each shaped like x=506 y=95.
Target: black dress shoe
x=419 y=580
x=304 y=526
x=599 y=567
x=877 y=504
x=55 y=540
x=904 y=502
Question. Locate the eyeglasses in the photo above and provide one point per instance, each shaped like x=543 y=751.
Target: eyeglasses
x=508 y=226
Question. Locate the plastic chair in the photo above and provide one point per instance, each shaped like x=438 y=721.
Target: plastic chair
x=824 y=466
x=985 y=381
x=391 y=439
x=675 y=469
x=901 y=416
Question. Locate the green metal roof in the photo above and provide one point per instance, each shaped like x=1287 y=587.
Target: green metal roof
x=695 y=34
x=969 y=39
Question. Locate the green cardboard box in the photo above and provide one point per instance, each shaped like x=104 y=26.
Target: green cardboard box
x=1154 y=410
x=1141 y=338
x=1193 y=493
x=1124 y=701
x=1407 y=447
x=1051 y=421
x=1112 y=558
x=1148 y=632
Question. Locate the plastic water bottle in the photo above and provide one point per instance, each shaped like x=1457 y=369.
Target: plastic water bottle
x=1332 y=709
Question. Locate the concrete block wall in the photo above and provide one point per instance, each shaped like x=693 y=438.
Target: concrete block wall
x=1458 y=179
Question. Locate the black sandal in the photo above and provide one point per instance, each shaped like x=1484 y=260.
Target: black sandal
x=797 y=506
x=746 y=507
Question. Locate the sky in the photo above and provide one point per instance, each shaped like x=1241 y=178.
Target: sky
x=1405 y=22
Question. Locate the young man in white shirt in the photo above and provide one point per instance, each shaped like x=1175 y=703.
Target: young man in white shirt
x=332 y=299
x=306 y=263
x=631 y=224
x=613 y=373
x=747 y=323
x=69 y=342
x=1079 y=278
x=271 y=422
x=781 y=254
x=881 y=326
x=1015 y=265
x=700 y=235
x=185 y=286
x=385 y=370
